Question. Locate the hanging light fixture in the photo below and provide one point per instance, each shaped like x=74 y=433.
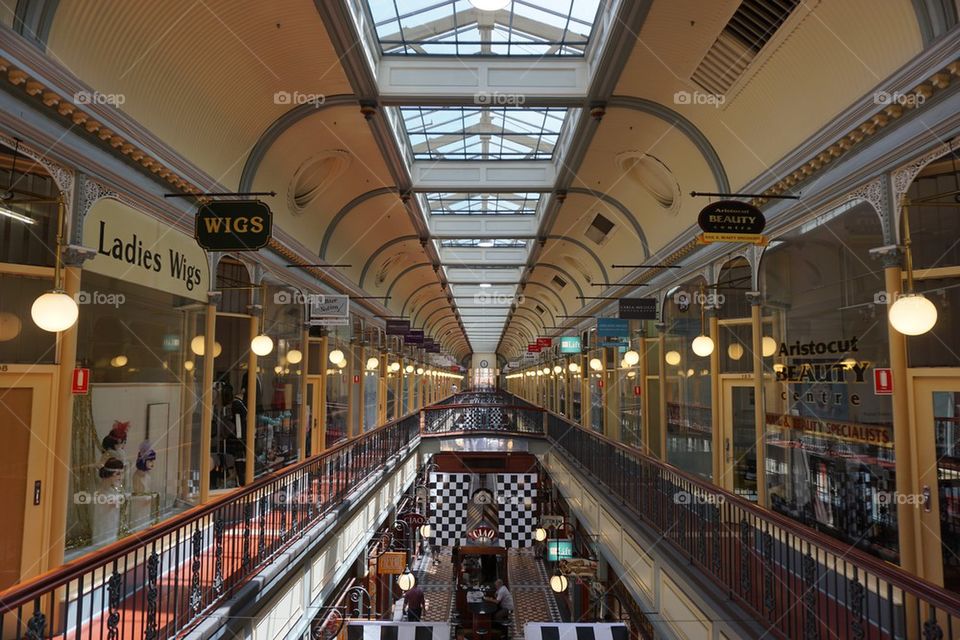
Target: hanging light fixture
x=294 y=356
x=574 y=367
x=419 y=371
x=596 y=364
x=55 y=311
x=426 y=531
x=631 y=358
x=735 y=351
x=262 y=344
x=558 y=583
x=702 y=345
x=672 y=357
x=768 y=346
x=911 y=314
x=540 y=534
x=406 y=580
x=336 y=356
x=394 y=366
x=557 y=369
x=409 y=368
x=372 y=364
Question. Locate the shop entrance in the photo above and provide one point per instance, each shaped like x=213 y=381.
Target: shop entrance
x=738 y=467
x=25 y=401
x=936 y=402
x=315 y=401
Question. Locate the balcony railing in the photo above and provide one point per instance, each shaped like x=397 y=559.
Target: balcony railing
x=160 y=582
x=460 y=418
x=795 y=580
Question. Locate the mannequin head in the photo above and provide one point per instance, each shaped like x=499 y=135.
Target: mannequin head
x=111 y=472
x=117 y=438
x=146 y=457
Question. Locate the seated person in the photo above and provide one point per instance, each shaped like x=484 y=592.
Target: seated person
x=503 y=599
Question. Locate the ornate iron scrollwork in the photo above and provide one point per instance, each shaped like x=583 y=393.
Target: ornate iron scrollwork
x=218 y=556
x=153 y=573
x=113 y=605
x=36 y=626
x=196 y=597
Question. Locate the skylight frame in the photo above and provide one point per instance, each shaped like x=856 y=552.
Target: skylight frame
x=507 y=127
x=471 y=203
x=576 y=21
x=474 y=243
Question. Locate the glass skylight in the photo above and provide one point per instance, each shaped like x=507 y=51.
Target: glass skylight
x=499 y=243
x=457 y=28
x=482 y=133
x=483 y=203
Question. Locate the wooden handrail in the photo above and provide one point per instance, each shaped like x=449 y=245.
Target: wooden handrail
x=928 y=591
x=24 y=592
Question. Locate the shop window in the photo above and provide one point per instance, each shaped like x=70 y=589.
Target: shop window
x=687 y=384
x=136 y=434
x=829 y=438
x=338 y=385
x=934 y=229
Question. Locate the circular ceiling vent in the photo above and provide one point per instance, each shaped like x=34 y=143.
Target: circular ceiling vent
x=314 y=176
x=653 y=176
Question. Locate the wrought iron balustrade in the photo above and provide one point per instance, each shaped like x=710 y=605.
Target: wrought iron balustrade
x=793 y=579
x=466 y=418
x=160 y=582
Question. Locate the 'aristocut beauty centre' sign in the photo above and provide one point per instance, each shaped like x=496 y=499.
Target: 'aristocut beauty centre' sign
x=136 y=248
x=233 y=225
x=731 y=221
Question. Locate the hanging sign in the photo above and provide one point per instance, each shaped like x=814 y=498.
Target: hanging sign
x=747 y=238
x=533 y=348
x=392 y=563
x=398 y=327
x=637 y=308
x=414 y=336
x=570 y=344
x=136 y=248
x=81 y=382
x=883 y=381
x=329 y=310
x=484 y=534
x=612 y=328
x=544 y=343
x=731 y=216
x=233 y=225
x=413 y=518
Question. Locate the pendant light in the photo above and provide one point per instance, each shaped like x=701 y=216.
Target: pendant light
x=702 y=345
x=55 y=311
x=911 y=314
x=631 y=358
x=262 y=344
x=336 y=356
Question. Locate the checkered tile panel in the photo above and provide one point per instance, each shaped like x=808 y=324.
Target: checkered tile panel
x=449 y=494
x=517 y=493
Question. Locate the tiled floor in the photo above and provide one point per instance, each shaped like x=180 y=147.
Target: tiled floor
x=529 y=584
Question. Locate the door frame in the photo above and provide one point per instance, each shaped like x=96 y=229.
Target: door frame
x=921 y=383
x=43 y=380
x=724 y=443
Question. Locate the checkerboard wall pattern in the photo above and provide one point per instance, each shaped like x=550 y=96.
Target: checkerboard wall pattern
x=517 y=495
x=449 y=494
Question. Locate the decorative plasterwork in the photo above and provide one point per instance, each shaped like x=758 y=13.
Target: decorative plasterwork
x=67 y=109
x=903 y=177
x=62 y=176
x=912 y=99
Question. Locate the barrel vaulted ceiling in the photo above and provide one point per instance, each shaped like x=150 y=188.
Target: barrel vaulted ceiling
x=209 y=78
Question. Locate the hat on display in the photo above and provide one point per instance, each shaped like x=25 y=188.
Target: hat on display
x=144 y=455
x=117 y=435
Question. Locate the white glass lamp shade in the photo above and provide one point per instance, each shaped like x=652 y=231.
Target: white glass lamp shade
x=768 y=346
x=426 y=530
x=419 y=371
x=54 y=311
x=119 y=361
x=574 y=367
x=912 y=314
x=294 y=356
x=261 y=345
x=336 y=356
x=372 y=364
x=558 y=369
x=395 y=366
x=490 y=5
x=409 y=368
x=540 y=534
x=672 y=357
x=406 y=581
x=735 y=351
x=702 y=345
x=631 y=358
x=10 y=326
x=558 y=583
x=595 y=364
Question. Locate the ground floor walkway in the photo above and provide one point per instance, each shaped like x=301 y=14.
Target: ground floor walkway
x=529 y=583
